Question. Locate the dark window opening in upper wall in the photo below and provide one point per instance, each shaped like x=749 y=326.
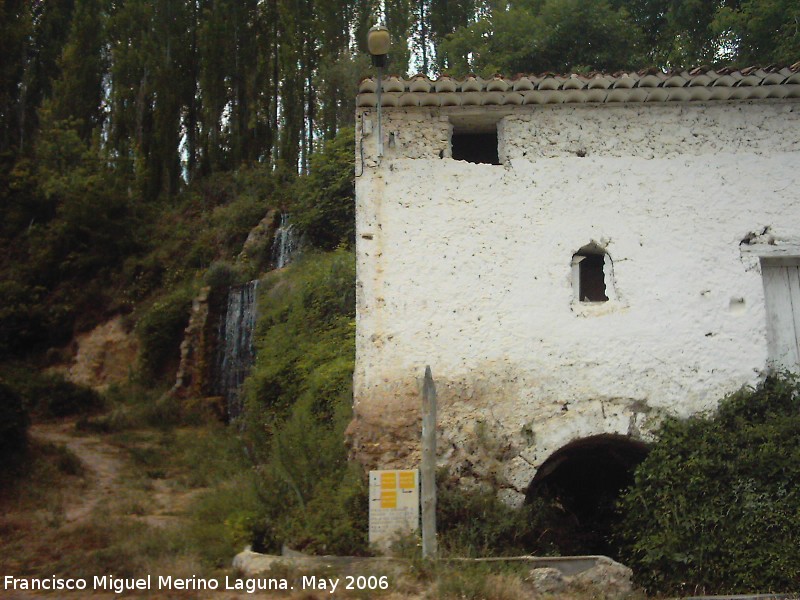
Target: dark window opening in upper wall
x=475 y=147
x=592 y=278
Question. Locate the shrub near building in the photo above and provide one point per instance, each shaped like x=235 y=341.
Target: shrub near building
x=716 y=506
x=299 y=399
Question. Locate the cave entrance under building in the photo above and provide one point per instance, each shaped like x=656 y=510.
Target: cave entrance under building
x=578 y=487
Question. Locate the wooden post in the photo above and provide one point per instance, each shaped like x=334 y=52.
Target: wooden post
x=428 y=470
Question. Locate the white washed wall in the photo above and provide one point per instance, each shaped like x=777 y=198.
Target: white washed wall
x=466 y=268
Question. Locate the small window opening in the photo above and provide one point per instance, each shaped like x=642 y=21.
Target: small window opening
x=475 y=147
x=590 y=263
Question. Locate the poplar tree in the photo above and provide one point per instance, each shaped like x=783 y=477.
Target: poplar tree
x=446 y=17
x=400 y=20
x=32 y=35
x=15 y=33
x=131 y=75
x=78 y=90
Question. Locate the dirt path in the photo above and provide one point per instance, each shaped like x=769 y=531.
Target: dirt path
x=101 y=460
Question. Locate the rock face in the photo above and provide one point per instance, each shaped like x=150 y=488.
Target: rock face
x=192 y=376
x=259 y=241
x=547 y=580
x=478 y=270
x=103 y=356
x=607 y=576
x=201 y=372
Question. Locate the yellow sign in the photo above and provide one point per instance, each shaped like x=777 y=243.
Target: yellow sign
x=388 y=480
x=408 y=480
x=389 y=498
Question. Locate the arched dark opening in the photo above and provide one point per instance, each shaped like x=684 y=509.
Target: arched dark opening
x=579 y=485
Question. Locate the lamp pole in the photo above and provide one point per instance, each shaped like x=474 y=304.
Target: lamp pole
x=378 y=43
x=380 y=120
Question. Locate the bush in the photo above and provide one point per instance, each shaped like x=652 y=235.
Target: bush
x=50 y=395
x=325 y=210
x=160 y=331
x=474 y=522
x=298 y=405
x=58 y=397
x=24 y=321
x=223 y=519
x=13 y=427
x=715 y=505
x=334 y=521
x=317 y=501
x=222 y=275
x=306 y=340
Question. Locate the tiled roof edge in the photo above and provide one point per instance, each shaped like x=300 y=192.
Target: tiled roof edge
x=651 y=85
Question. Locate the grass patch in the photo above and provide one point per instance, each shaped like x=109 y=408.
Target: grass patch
x=135 y=405
x=225 y=519
x=481 y=581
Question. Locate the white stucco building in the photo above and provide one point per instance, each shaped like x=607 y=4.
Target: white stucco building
x=633 y=252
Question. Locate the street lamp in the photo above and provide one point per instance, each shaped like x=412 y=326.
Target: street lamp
x=378 y=43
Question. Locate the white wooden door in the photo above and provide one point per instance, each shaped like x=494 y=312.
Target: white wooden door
x=782 y=294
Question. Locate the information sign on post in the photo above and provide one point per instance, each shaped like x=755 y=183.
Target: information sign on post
x=393 y=505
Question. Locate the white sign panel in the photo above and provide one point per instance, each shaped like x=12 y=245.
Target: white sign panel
x=393 y=505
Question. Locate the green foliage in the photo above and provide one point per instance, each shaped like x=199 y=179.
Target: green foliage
x=325 y=209
x=474 y=522
x=79 y=228
x=24 y=319
x=89 y=249
x=333 y=521
x=136 y=404
x=529 y=37
x=208 y=223
x=338 y=79
x=221 y=275
x=93 y=228
x=50 y=395
x=229 y=516
x=760 y=31
x=160 y=331
x=31 y=40
x=78 y=91
x=305 y=338
x=13 y=427
x=57 y=397
x=579 y=35
x=223 y=520
x=715 y=506
x=678 y=35
x=298 y=404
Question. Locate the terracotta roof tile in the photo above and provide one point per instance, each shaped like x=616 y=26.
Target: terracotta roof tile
x=649 y=85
